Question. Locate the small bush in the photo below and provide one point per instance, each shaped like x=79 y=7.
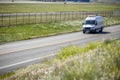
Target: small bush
x=73 y=50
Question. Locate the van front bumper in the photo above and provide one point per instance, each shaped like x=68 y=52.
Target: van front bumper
x=89 y=29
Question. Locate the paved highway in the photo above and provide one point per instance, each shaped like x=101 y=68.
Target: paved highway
x=22 y=53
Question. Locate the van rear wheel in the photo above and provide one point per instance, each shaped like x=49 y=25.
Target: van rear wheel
x=101 y=30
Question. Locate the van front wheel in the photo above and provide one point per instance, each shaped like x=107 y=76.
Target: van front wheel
x=84 y=31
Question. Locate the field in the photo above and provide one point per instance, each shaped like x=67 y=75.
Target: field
x=23 y=32
x=57 y=24
x=96 y=61
x=29 y=8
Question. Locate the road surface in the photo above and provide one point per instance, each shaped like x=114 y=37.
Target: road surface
x=22 y=53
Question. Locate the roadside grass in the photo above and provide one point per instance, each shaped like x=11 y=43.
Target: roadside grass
x=111 y=21
x=96 y=61
x=28 y=8
x=6 y=75
x=24 y=32
x=73 y=50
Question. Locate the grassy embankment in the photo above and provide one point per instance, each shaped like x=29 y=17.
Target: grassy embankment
x=27 y=8
x=23 y=32
x=96 y=61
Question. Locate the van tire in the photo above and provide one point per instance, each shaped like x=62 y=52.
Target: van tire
x=101 y=30
x=84 y=32
x=96 y=30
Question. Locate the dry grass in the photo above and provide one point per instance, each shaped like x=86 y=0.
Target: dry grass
x=98 y=61
x=26 y=8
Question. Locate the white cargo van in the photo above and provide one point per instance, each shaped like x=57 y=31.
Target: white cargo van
x=93 y=24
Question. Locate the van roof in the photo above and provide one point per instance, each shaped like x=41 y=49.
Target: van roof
x=93 y=17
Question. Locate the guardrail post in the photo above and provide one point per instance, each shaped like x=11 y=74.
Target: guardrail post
x=60 y=15
x=67 y=15
x=55 y=16
x=23 y=18
x=29 y=18
x=111 y=13
x=9 y=20
x=64 y=15
x=72 y=15
x=2 y=19
x=41 y=17
x=51 y=17
x=16 y=18
x=46 y=16
x=76 y=14
x=35 y=18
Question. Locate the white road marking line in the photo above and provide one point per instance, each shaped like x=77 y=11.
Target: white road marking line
x=11 y=65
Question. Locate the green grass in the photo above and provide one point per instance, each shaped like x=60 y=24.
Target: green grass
x=96 y=61
x=73 y=50
x=6 y=75
x=8 y=34
x=24 y=32
x=26 y=8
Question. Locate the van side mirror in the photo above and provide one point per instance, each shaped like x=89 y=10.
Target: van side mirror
x=83 y=23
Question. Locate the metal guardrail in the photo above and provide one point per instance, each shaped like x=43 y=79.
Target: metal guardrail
x=44 y=17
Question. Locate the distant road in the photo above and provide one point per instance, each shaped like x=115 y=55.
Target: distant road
x=22 y=53
x=45 y=2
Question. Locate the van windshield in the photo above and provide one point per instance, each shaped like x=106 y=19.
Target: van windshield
x=90 y=22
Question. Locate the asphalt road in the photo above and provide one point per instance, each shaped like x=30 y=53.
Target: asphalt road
x=22 y=53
